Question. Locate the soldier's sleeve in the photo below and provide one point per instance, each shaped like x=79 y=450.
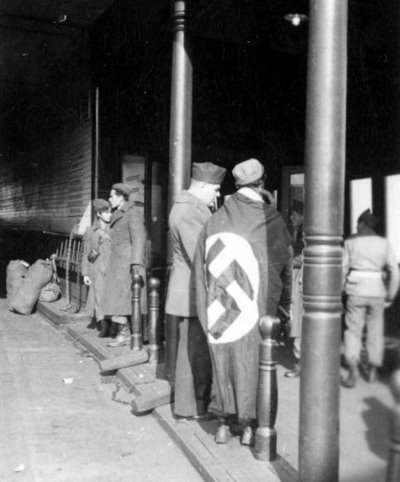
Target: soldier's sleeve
x=199 y=268
x=86 y=241
x=189 y=233
x=138 y=236
x=392 y=269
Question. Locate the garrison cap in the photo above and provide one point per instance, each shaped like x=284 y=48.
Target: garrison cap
x=368 y=218
x=247 y=172
x=100 y=205
x=208 y=172
x=122 y=189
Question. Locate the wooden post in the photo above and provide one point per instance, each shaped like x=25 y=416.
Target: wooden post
x=267 y=397
x=153 y=320
x=393 y=471
x=136 y=318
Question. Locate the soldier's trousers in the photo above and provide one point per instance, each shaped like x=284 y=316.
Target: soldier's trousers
x=364 y=311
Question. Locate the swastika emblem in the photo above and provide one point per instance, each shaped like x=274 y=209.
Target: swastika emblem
x=233 y=283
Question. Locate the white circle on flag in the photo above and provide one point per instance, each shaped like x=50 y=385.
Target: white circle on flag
x=236 y=248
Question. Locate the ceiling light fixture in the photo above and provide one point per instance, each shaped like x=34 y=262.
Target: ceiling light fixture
x=296 y=18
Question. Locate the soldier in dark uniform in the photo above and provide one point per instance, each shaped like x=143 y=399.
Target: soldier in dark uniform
x=186 y=220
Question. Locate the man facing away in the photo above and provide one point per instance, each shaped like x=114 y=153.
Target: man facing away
x=243 y=271
x=186 y=220
x=371 y=277
x=127 y=257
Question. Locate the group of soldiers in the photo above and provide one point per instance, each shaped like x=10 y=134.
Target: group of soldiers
x=230 y=267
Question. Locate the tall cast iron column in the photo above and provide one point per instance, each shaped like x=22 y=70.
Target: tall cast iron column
x=180 y=146
x=180 y=139
x=324 y=205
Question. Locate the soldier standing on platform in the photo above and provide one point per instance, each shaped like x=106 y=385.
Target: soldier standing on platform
x=243 y=271
x=297 y=218
x=371 y=281
x=186 y=220
x=96 y=251
x=127 y=257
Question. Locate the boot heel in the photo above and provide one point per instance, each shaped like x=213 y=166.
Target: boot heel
x=104 y=328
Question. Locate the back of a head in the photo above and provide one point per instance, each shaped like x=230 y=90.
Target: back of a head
x=368 y=219
x=248 y=173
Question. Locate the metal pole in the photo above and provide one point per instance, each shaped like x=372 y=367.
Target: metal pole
x=179 y=146
x=324 y=206
x=181 y=106
x=96 y=143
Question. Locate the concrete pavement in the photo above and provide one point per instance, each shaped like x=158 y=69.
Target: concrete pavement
x=42 y=357
x=58 y=421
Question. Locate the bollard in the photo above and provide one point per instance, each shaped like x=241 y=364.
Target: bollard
x=267 y=396
x=393 y=471
x=154 y=314
x=136 y=318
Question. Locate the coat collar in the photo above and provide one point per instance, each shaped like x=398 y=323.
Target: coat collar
x=119 y=213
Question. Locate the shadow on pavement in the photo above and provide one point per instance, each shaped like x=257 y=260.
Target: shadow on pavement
x=377 y=421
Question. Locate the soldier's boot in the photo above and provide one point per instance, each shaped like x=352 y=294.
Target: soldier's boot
x=372 y=374
x=351 y=379
x=104 y=328
x=247 y=436
x=294 y=372
x=223 y=432
x=123 y=336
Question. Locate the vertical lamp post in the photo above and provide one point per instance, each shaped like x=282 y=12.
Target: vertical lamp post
x=180 y=146
x=324 y=205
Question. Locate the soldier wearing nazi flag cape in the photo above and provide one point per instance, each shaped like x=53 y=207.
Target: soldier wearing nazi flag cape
x=243 y=267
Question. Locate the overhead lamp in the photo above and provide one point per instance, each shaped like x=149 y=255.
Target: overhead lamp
x=296 y=18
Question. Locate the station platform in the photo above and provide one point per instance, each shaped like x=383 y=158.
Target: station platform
x=364 y=416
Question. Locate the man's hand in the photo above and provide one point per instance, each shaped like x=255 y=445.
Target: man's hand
x=87 y=280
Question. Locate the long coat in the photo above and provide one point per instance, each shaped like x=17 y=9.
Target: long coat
x=99 y=239
x=243 y=271
x=186 y=220
x=193 y=364
x=128 y=246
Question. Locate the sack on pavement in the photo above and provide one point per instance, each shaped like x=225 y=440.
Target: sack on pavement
x=16 y=271
x=50 y=292
x=38 y=275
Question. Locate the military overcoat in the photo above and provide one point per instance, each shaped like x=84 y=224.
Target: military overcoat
x=99 y=239
x=186 y=220
x=128 y=247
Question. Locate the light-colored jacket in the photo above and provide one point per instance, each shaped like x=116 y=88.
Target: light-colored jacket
x=186 y=221
x=370 y=267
